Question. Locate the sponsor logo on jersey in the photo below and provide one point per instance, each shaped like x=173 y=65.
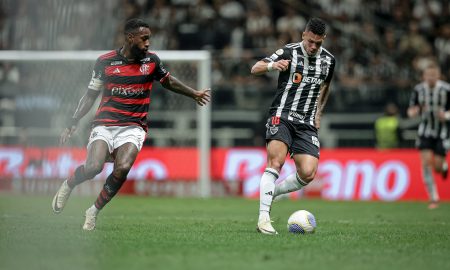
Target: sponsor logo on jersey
x=296 y=115
x=309 y=67
x=279 y=51
x=127 y=91
x=313 y=80
x=115 y=63
x=116 y=71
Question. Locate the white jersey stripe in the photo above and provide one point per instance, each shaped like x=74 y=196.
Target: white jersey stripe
x=289 y=83
x=300 y=88
x=311 y=92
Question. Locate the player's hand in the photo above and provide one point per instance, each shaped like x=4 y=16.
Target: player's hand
x=281 y=65
x=413 y=111
x=202 y=97
x=66 y=134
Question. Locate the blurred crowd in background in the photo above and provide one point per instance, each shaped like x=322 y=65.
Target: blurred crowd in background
x=380 y=46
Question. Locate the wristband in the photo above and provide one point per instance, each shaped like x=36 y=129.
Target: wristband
x=270 y=66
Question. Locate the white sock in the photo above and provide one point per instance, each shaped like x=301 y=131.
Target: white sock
x=94 y=210
x=292 y=183
x=429 y=184
x=266 y=190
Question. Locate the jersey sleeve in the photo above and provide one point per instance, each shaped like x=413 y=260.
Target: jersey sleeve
x=97 y=80
x=330 y=71
x=447 y=103
x=283 y=53
x=414 y=99
x=161 y=72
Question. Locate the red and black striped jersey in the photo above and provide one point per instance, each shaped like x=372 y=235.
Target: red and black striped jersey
x=126 y=88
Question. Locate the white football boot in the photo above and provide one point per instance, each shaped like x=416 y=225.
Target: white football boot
x=91 y=217
x=265 y=226
x=61 y=197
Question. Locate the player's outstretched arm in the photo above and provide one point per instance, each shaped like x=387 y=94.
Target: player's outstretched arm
x=202 y=97
x=262 y=67
x=84 y=105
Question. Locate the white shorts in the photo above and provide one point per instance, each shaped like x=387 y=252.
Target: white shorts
x=116 y=136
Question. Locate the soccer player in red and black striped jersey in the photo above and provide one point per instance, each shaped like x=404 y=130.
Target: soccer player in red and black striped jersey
x=305 y=72
x=124 y=77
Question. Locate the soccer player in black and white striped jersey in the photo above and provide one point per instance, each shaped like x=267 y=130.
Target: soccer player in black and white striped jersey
x=305 y=72
x=431 y=99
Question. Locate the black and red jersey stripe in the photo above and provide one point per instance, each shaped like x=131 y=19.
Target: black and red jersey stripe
x=125 y=88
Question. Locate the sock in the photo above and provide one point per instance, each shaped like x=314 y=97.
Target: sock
x=109 y=190
x=266 y=190
x=94 y=210
x=292 y=183
x=429 y=184
x=444 y=166
x=77 y=178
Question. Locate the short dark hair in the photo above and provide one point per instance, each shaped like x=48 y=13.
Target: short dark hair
x=134 y=24
x=317 y=26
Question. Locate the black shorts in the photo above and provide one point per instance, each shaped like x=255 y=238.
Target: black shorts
x=300 y=138
x=437 y=145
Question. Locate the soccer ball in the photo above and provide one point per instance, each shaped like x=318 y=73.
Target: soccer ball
x=301 y=222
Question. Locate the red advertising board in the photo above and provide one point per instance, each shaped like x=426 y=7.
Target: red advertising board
x=343 y=174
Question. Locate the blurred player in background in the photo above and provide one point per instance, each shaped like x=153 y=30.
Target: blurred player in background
x=431 y=99
x=303 y=87
x=124 y=77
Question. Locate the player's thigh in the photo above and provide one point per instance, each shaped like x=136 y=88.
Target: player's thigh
x=125 y=155
x=279 y=139
x=276 y=154
x=98 y=151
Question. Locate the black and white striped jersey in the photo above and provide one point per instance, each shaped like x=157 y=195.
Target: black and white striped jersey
x=431 y=101
x=298 y=87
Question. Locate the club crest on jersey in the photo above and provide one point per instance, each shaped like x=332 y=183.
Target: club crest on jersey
x=145 y=69
x=273 y=130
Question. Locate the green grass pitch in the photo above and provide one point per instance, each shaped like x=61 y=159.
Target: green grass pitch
x=167 y=233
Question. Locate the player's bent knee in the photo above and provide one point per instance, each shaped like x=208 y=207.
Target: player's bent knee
x=122 y=169
x=92 y=169
x=276 y=164
x=307 y=175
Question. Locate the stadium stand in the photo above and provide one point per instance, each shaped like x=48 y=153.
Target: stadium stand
x=380 y=46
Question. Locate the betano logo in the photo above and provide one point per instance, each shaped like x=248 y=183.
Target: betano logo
x=298 y=78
